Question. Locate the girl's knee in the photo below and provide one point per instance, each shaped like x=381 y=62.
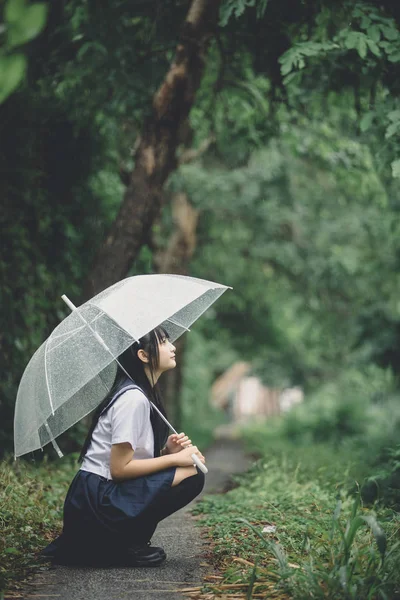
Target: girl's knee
x=190 y=478
x=182 y=473
x=197 y=482
x=201 y=478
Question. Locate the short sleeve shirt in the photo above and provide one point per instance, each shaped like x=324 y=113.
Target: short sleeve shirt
x=128 y=420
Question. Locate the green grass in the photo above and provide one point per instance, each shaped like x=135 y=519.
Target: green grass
x=31 y=502
x=326 y=543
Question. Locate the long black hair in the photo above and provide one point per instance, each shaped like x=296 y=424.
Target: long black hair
x=135 y=368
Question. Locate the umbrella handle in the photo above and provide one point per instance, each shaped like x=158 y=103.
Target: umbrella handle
x=199 y=464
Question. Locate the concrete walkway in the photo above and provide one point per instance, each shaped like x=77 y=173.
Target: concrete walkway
x=178 y=535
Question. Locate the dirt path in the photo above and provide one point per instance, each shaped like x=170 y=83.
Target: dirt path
x=178 y=535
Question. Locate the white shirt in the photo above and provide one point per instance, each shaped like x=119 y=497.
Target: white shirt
x=128 y=420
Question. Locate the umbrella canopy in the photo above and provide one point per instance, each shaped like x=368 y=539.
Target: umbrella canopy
x=72 y=371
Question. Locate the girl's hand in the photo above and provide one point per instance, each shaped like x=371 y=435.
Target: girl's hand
x=176 y=443
x=184 y=458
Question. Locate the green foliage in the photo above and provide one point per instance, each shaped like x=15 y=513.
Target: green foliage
x=207 y=355
x=236 y=8
x=354 y=404
x=31 y=501
x=312 y=243
x=383 y=481
x=22 y=23
x=49 y=231
x=12 y=70
x=66 y=137
x=295 y=57
x=358 y=414
x=364 y=37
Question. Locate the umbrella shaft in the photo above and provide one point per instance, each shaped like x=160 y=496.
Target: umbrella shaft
x=162 y=416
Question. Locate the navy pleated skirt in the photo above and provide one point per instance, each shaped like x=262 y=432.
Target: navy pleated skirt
x=104 y=516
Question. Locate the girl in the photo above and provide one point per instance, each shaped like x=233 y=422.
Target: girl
x=132 y=474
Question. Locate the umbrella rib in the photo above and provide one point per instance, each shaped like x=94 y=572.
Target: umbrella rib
x=73 y=331
x=47 y=379
x=69 y=334
x=52 y=440
x=178 y=324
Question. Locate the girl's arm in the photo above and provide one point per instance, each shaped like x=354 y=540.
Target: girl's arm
x=124 y=466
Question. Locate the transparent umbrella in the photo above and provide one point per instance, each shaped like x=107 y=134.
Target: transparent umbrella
x=75 y=368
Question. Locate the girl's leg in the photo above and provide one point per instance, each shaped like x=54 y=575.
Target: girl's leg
x=182 y=473
x=166 y=504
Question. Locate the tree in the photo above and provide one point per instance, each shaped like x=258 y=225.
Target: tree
x=155 y=157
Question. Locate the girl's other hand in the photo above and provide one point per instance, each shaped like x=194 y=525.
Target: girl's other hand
x=176 y=442
x=184 y=458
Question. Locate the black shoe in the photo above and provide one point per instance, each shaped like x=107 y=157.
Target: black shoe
x=156 y=548
x=139 y=556
x=145 y=556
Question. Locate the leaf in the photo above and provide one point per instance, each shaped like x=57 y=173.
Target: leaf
x=337 y=511
x=252 y=581
x=394 y=115
x=351 y=41
x=11 y=551
x=33 y=22
x=392 y=129
x=343 y=576
x=354 y=526
x=94 y=46
x=287 y=61
x=396 y=168
x=395 y=57
x=373 y=47
x=233 y=7
x=12 y=70
x=377 y=532
x=374 y=33
x=365 y=22
x=358 y=41
x=261 y=8
x=14 y=11
x=367 y=121
x=390 y=33
x=362 y=48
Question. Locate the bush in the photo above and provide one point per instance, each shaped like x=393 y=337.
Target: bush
x=358 y=415
x=354 y=405
x=31 y=502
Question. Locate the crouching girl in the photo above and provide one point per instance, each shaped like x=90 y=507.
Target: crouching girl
x=132 y=474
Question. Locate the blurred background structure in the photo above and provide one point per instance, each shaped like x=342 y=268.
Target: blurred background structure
x=244 y=397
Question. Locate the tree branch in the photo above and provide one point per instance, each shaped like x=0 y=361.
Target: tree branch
x=192 y=154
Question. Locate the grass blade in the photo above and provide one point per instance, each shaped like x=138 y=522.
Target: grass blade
x=253 y=578
x=377 y=532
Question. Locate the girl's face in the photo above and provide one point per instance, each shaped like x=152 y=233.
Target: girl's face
x=166 y=352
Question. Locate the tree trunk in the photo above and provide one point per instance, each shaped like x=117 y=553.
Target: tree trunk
x=175 y=259
x=155 y=157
